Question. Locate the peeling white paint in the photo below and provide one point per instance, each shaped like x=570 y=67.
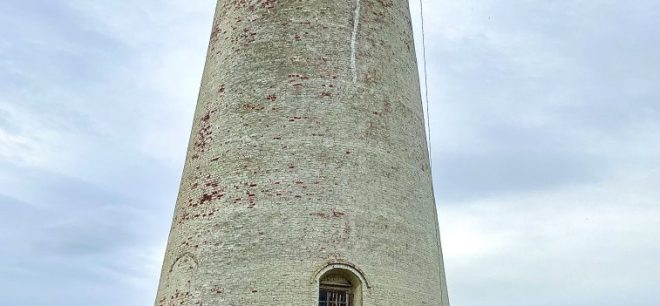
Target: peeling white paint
x=356 y=25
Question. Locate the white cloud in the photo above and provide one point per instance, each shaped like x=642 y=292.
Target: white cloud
x=594 y=244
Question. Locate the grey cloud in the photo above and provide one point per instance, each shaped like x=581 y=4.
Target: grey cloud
x=526 y=86
x=69 y=232
x=536 y=107
x=467 y=176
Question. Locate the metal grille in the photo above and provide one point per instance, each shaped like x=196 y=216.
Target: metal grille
x=334 y=297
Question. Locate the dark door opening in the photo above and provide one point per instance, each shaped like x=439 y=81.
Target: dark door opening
x=335 y=297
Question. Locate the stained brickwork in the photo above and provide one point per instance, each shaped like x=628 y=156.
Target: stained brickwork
x=307 y=149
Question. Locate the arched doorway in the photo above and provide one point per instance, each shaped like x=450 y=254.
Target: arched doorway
x=340 y=285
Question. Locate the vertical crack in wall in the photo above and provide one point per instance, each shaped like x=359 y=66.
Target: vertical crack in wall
x=356 y=25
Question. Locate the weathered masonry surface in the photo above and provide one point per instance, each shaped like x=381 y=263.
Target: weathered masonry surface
x=307 y=154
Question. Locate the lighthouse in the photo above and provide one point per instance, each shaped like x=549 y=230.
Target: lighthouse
x=307 y=177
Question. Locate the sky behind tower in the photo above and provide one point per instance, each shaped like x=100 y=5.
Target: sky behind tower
x=545 y=127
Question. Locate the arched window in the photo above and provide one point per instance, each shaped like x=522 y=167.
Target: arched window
x=339 y=286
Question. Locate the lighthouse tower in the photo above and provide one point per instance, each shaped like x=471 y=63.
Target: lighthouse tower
x=307 y=179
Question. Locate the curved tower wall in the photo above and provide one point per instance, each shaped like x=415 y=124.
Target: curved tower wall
x=308 y=149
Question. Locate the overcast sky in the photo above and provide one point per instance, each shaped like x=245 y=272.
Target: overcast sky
x=545 y=125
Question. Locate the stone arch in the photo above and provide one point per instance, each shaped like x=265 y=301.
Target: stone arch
x=341 y=279
x=184 y=263
x=180 y=288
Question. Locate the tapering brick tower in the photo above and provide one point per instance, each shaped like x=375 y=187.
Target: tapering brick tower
x=307 y=179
